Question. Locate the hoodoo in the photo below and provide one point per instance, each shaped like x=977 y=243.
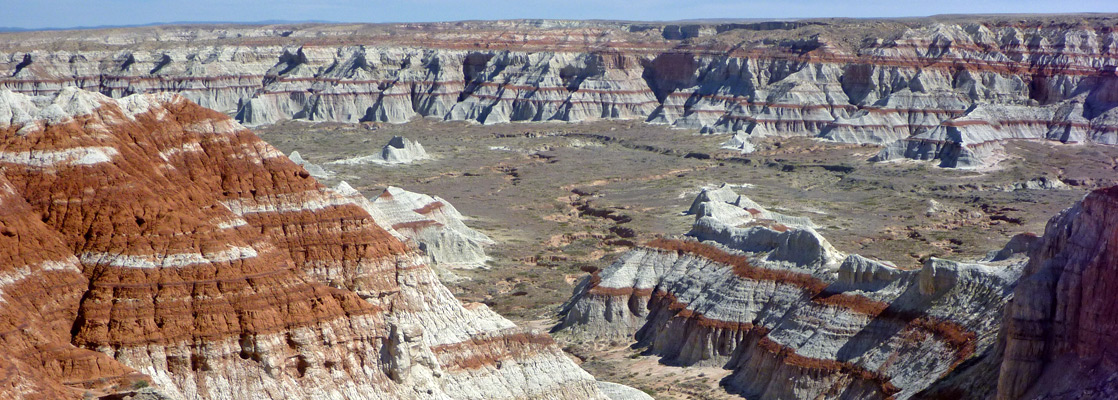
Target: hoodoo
x=156 y=246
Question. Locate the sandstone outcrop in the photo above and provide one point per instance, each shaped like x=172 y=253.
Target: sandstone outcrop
x=948 y=89
x=399 y=150
x=156 y=248
x=41 y=288
x=739 y=142
x=315 y=170
x=974 y=139
x=790 y=316
x=1060 y=329
x=431 y=222
x=727 y=207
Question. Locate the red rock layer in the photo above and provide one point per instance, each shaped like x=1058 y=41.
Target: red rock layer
x=492 y=350
x=40 y=288
x=1062 y=329
x=140 y=207
x=164 y=259
x=731 y=338
x=170 y=240
x=326 y=235
x=634 y=75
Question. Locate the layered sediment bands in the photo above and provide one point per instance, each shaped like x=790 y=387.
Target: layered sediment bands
x=974 y=140
x=902 y=81
x=1060 y=327
x=154 y=240
x=40 y=288
x=431 y=222
x=791 y=317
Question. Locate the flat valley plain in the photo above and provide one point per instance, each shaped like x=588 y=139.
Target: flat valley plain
x=561 y=199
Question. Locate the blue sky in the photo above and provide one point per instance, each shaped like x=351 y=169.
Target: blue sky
x=70 y=13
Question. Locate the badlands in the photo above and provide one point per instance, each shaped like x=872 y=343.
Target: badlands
x=816 y=209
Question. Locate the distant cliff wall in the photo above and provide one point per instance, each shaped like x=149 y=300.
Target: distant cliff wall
x=942 y=91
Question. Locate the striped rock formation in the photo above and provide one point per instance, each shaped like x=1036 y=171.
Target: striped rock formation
x=974 y=140
x=950 y=89
x=793 y=318
x=1061 y=328
x=153 y=246
x=430 y=221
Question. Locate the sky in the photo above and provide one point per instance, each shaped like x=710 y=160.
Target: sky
x=76 y=13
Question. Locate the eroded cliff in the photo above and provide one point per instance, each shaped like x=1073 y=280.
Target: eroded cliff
x=431 y=222
x=766 y=297
x=1060 y=329
x=152 y=244
x=946 y=89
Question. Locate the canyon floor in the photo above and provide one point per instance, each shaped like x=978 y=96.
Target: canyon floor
x=562 y=198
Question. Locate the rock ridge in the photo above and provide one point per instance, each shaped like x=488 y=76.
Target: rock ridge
x=156 y=246
x=1059 y=343
x=774 y=303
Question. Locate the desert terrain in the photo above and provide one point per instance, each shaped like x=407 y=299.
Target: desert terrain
x=819 y=208
x=561 y=199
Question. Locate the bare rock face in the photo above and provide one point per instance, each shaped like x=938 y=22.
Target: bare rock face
x=399 y=150
x=155 y=248
x=790 y=316
x=430 y=221
x=41 y=288
x=974 y=139
x=925 y=89
x=1060 y=329
x=739 y=142
x=315 y=170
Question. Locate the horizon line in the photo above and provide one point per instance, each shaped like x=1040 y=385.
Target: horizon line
x=17 y=29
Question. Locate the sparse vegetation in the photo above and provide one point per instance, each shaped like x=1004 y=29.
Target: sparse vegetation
x=877 y=210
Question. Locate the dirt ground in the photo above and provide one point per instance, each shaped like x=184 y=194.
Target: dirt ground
x=560 y=197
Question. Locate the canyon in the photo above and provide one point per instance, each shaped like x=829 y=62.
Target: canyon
x=813 y=209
